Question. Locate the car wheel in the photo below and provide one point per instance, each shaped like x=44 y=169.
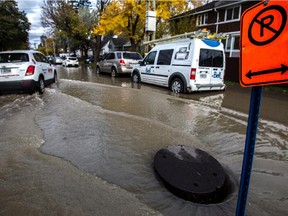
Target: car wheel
x=55 y=79
x=114 y=72
x=135 y=77
x=41 y=85
x=98 y=71
x=177 y=85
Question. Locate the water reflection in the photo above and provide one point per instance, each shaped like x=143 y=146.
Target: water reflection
x=88 y=74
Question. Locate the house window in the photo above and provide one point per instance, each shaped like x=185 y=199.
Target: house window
x=232 y=13
x=232 y=45
x=202 y=19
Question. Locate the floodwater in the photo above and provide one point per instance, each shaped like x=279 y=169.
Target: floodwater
x=86 y=147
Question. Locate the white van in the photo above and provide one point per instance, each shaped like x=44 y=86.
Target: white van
x=184 y=65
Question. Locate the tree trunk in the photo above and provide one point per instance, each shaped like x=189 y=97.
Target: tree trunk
x=97 y=48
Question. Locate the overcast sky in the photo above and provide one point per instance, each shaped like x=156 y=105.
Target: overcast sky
x=32 y=9
x=33 y=12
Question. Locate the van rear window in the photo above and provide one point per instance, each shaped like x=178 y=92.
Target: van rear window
x=211 y=58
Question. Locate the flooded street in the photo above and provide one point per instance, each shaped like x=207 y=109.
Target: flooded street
x=86 y=147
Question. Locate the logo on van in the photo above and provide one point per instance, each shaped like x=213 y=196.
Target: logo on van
x=148 y=70
x=216 y=75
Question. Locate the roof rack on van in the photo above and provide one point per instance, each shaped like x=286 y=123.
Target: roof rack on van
x=196 y=34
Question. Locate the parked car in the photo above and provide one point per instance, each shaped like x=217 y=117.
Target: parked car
x=58 y=60
x=51 y=59
x=118 y=62
x=25 y=70
x=184 y=65
x=89 y=60
x=70 y=61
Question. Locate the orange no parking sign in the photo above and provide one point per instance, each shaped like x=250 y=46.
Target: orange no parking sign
x=264 y=44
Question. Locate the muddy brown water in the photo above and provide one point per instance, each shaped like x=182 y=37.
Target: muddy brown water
x=86 y=147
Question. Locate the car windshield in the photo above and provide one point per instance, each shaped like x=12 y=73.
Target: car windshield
x=135 y=56
x=13 y=57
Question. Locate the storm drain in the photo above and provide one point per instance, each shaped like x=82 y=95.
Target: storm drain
x=191 y=174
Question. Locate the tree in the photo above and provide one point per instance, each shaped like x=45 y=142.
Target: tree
x=128 y=18
x=183 y=25
x=74 y=21
x=14 y=31
x=187 y=23
x=62 y=17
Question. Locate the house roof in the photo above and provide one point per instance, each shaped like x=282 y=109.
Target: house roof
x=118 y=42
x=106 y=39
x=208 y=7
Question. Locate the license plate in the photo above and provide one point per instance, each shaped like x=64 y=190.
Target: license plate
x=203 y=76
x=5 y=70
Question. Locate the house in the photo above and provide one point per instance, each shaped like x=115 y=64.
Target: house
x=222 y=17
x=114 y=43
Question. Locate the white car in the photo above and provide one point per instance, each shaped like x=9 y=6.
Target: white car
x=70 y=61
x=25 y=70
x=58 y=60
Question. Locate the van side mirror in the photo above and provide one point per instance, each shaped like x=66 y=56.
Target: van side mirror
x=141 y=63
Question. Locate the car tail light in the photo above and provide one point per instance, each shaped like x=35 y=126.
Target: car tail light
x=193 y=74
x=30 y=70
x=122 y=62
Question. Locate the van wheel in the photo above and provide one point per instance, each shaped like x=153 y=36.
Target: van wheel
x=135 y=77
x=114 y=72
x=177 y=85
x=41 y=85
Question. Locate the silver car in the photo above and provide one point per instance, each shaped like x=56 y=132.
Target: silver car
x=25 y=70
x=118 y=62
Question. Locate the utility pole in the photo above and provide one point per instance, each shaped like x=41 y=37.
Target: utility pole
x=154 y=9
x=150 y=24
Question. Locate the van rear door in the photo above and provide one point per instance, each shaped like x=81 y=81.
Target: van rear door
x=217 y=74
x=211 y=67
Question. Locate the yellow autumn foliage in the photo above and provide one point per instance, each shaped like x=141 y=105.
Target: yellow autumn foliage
x=128 y=16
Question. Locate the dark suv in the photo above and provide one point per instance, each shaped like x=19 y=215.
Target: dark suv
x=118 y=62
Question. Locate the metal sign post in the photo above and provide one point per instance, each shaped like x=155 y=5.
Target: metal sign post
x=255 y=103
x=263 y=61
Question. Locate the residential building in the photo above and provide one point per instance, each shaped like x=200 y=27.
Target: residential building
x=114 y=43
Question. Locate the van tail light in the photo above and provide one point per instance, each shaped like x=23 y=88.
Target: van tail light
x=122 y=62
x=193 y=74
x=30 y=70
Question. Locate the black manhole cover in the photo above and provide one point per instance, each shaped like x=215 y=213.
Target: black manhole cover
x=191 y=174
